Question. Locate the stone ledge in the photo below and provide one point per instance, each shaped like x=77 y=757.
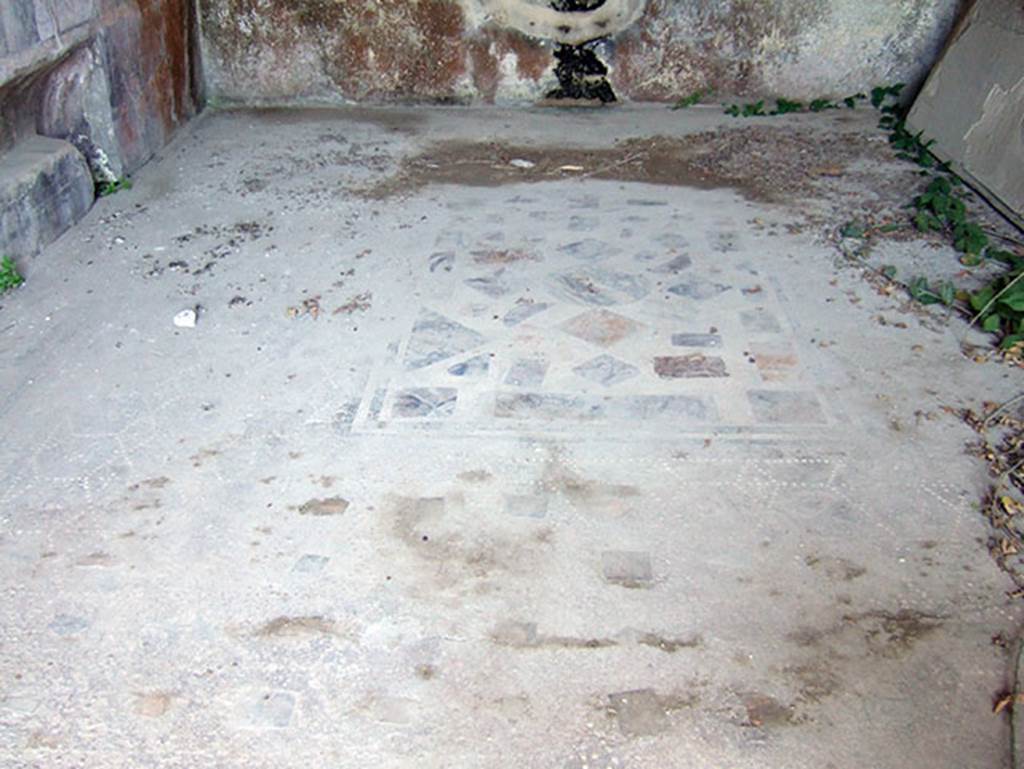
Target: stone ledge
x=45 y=187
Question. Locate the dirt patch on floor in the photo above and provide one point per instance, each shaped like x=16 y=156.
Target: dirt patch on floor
x=771 y=164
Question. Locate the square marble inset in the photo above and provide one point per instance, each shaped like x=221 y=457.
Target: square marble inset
x=639 y=712
x=760 y=321
x=693 y=366
x=526 y=505
x=627 y=568
x=786 y=407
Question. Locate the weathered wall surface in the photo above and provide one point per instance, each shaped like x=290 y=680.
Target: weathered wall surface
x=114 y=77
x=501 y=50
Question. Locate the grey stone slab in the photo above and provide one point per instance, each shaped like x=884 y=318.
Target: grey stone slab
x=425 y=402
x=786 y=407
x=972 y=105
x=45 y=187
x=435 y=337
x=527 y=372
x=696 y=340
x=606 y=370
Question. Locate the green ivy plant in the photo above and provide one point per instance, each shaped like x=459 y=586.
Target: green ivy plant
x=9 y=275
x=998 y=306
x=689 y=101
x=104 y=189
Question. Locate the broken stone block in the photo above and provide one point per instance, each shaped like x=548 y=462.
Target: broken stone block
x=973 y=104
x=75 y=105
x=45 y=187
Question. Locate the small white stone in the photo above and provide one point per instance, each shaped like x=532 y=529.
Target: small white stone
x=521 y=163
x=185 y=319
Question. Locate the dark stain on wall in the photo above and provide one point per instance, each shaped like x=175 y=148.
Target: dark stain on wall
x=387 y=49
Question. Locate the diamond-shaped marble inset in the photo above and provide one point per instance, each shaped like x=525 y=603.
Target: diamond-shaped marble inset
x=590 y=285
x=426 y=402
x=699 y=289
x=675 y=266
x=523 y=311
x=606 y=370
x=527 y=372
x=474 y=367
x=588 y=250
x=435 y=337
x=601 y=327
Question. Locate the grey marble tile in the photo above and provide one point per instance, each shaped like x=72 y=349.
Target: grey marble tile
x=425 y=402
x=476 y=366
x=696 y=340
x=594 y=286
x=435 y=337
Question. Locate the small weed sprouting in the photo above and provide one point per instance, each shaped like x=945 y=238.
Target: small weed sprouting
x=783 y=106
x=820 y=105
x=689 y=101
x=998 y=307
x=9 y=275
x=921 y=291
x=751 y=109
x=109 y=188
